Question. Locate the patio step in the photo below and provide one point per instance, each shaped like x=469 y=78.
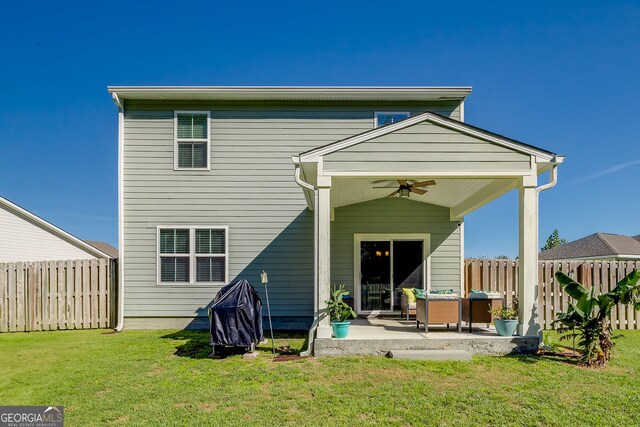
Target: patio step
x=430 y=354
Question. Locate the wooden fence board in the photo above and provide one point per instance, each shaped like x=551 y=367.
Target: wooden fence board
x=69 y=309
x=85 y=295
x=31 y=289
x=4 y=318
x=38 y=295
x=502 y=275
x=102 y=293
x=77 y=292
x=44 y=283
x=20 y=298
x=11 y=297
x=93 y=265
x=50 y=295
x=62 y=291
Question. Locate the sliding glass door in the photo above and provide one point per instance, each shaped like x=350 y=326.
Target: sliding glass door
x=385 y=265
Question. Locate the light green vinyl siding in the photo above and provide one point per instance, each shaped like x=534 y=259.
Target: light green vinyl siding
x=395 y=215
x=250 y=188
x=426 y=147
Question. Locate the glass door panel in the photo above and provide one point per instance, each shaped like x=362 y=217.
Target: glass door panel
x=375 y=275
x=407 y=268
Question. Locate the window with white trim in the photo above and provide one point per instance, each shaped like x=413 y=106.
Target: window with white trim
x=383 y=118
x=191 y=149
x=192 y=255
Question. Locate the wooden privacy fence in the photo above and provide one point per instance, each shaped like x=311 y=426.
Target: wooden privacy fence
x=502 y=275
x=51 y=295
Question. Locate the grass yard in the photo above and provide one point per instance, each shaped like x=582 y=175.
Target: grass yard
x=165 y=378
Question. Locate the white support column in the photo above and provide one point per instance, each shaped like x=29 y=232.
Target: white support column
x=528 y=324
x=324 y=255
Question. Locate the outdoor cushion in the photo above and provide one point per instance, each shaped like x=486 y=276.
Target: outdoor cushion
x=441 y=291
x=419 y=292
x=411 y=296
x=443 y=296
x=485 y=295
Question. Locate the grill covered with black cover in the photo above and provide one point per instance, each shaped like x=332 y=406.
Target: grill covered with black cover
x=235 y=317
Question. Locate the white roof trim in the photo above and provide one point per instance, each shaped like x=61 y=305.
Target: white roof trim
x=52 y=229
x=294 y=93
x=541 y=155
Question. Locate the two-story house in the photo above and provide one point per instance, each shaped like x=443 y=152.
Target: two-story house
x=366 y=186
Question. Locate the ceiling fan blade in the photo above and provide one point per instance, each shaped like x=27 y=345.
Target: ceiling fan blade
x=393 y=194
x=383 y=180
x=424 y=183
x=419 y=191
x=402 y=181
x=383 y=187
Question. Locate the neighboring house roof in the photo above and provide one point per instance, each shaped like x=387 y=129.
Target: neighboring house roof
x=104 y=247
x=293 y=93
x=596 y=246
x=436 y=119
x=52 y=229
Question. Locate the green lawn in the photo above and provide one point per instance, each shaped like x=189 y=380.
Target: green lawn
x=164 y=378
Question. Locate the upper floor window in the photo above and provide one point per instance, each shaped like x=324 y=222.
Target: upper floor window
x=191 y=149
x=384 y=118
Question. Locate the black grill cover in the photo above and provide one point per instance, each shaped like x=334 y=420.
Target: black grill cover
x=236 y=316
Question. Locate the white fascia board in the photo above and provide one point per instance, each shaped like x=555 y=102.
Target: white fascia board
x=319 y=93
x=56 y=231
x=427 y=175
x=541 y=155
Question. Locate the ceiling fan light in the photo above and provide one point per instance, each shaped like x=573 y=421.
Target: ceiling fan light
x=404 y=192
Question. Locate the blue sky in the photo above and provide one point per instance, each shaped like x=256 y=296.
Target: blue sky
x=560 y=75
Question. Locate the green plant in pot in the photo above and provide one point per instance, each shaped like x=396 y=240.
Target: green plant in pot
x=506 y=320
x=339 y=312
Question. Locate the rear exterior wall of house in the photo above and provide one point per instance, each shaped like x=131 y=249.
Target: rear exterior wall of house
x=249 y=189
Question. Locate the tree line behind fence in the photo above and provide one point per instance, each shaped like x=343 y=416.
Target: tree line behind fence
x=51 y=295
x=502 y=275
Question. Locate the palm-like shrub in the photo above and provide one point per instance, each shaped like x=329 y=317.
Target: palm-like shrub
x=589 y=318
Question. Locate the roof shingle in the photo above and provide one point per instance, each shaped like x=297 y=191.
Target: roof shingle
x=598 y=245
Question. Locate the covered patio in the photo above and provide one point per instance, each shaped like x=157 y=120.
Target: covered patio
x=433 y=171
x=379 y=335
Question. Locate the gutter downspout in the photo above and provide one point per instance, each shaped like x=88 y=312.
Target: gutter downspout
x=120 y=310
x=552 y=183
x=314 y=325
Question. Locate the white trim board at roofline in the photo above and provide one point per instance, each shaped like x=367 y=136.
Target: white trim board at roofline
x=540 y=154
x=293 y=93
x=56 y=231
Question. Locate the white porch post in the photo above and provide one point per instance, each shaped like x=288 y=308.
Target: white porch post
x=324 y=255
x=528 y=274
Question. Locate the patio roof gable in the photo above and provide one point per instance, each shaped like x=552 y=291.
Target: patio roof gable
x=437 y=120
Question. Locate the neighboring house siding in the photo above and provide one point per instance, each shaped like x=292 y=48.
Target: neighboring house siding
x=250 y=188
x=444 y=150
x=24 y=241
x=395 y=215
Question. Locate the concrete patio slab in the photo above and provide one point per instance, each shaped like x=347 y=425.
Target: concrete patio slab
x=377 y=336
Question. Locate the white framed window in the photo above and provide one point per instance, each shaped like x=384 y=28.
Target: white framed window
x=193 y=255
x=192 y=143
x=383 y=118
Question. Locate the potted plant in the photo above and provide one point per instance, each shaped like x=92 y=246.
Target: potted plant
x=339 y=311
x=505 y=319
